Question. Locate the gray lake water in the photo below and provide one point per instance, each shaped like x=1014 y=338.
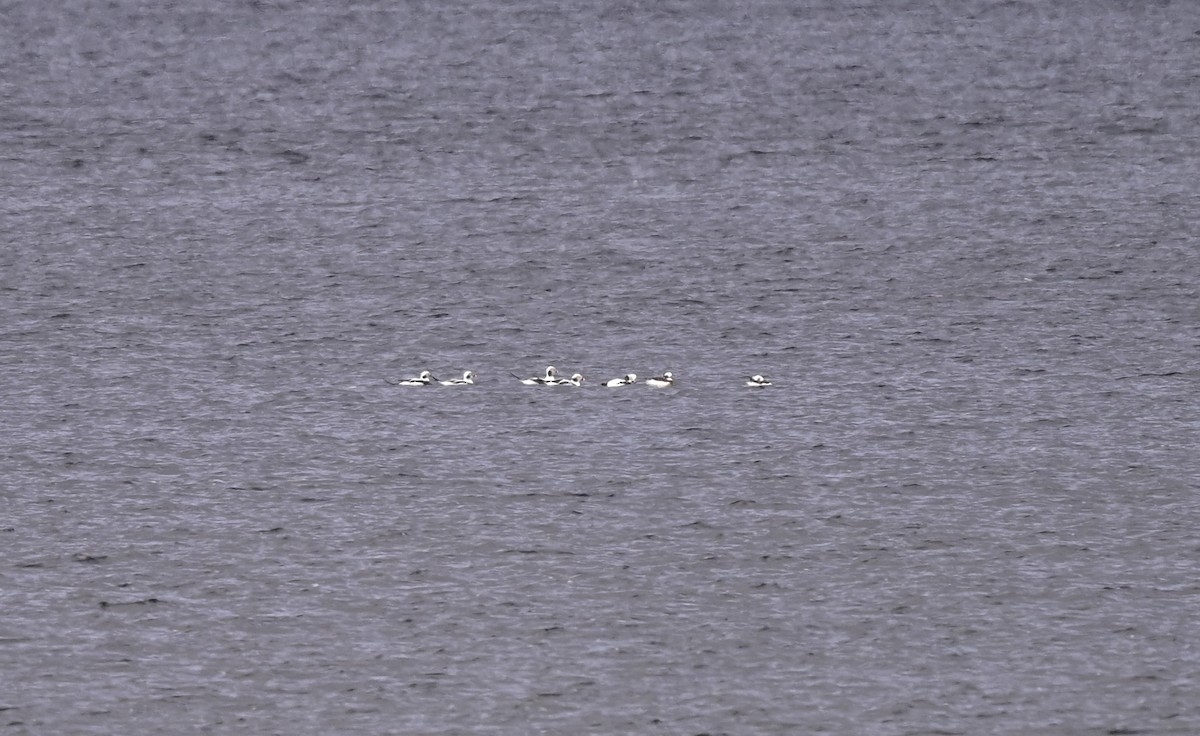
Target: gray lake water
x=960 y=238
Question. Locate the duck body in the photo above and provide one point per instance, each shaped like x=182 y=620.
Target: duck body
x=757 y=380
x=551 y=378
x=425 y=379
x=627 y=380
x=666 y=379
x=468 y=379
x=575 y=380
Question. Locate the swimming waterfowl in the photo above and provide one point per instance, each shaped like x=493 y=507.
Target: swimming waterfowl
x=628 y=379
x=425 y=379
x=575 y=380
x=666 y=379
x=468 y=379
x=757 y=380
x=549 y=379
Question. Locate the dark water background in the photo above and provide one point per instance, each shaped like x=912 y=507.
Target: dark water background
x=960 y=237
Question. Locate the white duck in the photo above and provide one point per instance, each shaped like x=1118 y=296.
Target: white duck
x=468 y=379
x=666 y=379
x=627 y=380
x=549 y=379
x=425 y=379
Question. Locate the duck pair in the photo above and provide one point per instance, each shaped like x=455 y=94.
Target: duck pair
x=666 y=379
x=427 y=379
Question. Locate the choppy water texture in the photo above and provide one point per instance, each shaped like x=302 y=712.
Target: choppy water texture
x=960 y=237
